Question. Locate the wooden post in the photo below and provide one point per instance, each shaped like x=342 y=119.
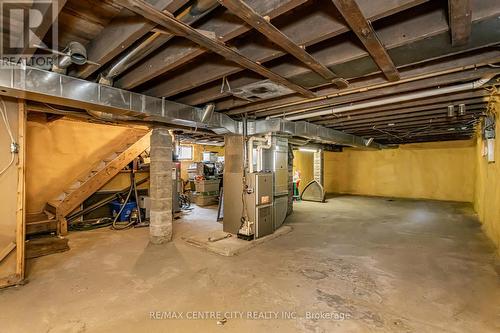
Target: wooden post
x=21 y=193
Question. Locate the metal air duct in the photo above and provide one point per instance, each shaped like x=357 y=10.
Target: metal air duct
x=48 y=87
x=190 y=15
x=74 y=53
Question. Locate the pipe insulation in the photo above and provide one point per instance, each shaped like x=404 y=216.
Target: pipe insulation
x=392 y=100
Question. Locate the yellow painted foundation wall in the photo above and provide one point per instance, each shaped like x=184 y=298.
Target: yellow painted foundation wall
x=303 y=162
x=198 y=151
x=439 y=171
x=60 y=151
x=487 y=189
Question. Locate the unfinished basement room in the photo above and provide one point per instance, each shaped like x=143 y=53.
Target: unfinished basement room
x=249 y=166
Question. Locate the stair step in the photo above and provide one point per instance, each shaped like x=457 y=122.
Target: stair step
x=54 y=203
x=49 y=215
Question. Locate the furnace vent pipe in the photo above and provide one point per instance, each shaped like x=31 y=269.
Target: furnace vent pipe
x=397 y=99
x=250 y=142
x=260 y=147
x=190 y=15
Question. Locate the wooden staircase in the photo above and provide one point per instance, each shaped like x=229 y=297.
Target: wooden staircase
x=74 y=195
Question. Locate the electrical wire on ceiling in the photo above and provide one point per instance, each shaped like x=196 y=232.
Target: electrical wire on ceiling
x=14 y=148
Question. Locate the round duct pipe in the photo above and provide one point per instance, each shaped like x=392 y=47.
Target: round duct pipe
x=74 y=53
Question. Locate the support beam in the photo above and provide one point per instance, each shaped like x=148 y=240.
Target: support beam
x=120 y=34
x=460 y=20
x=300 y=31
x=183 y=51
x=364 y=30
x=160 y=186
x=181 y=29
x=43 y=28
x=264 y=26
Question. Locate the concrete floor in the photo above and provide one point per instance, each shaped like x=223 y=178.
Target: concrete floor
x=387 y=266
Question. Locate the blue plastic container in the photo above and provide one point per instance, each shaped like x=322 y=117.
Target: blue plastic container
x=125 y=215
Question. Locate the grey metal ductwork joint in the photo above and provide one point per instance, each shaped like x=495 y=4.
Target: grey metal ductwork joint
x=74 y=53
x=24 y=82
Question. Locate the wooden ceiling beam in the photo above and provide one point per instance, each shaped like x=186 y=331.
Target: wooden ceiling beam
x=264 y=26
x=375 y=115
x=460 y=20
x=426 y=70
x=314 y=27
x=351 y=12
x=417 y=105
x=441 y=119
x=179 y=28
x=120 y=34
x=183 y=51
x=44 y=27
x=404 y=115
x=380 y=94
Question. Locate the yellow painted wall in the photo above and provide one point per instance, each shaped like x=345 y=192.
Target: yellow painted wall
x=303 y=161
x=439 y=170
x=198 y=156
x=59 y=152
x=487 y=188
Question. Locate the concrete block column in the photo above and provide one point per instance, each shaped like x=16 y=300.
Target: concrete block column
x=160 y=186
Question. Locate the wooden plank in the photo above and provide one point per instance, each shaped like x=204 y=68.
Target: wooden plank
x=264 y=26
x=460 y=18
x=21 y=191
x=42 y=30
x=91 y=185
x=181 y=29
x=40 y=227
x=7 y=250
x=119 y=34
x=351 y=12
x=183 y=51
x=39 y=247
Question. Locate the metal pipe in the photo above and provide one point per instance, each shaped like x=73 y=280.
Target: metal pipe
x=190 y=15
x=250 y=151
x=391 y=100
x=369 y=88
x=260 y=147
x=75 y=53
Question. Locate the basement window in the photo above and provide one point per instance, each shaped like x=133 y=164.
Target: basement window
x=185 y=152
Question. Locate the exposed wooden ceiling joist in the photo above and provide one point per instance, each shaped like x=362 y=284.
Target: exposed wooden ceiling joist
x=264 y=26
x=414 y=106
x=181 y=29
x=427 y=83
x=372 y=85
x=311 y=29
x=181 y=52
x=407 y=115
x=52 y=12
x=460 y=18
x=367 y=35
x=423 y=38
x=120 y=34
